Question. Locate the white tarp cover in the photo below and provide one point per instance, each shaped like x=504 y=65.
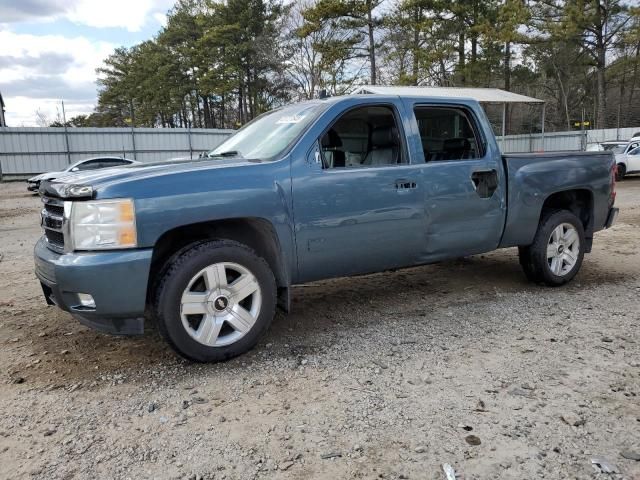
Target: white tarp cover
x=482 y=95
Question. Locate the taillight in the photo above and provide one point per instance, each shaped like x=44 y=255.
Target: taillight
x=612 y=196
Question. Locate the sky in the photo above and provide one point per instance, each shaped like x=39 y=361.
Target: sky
x=50 y=49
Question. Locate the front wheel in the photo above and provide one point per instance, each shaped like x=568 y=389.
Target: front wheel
x=557 y=251
x=215 y=300
x=621 y=171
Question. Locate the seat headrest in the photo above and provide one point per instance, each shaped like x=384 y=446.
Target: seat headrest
x=331 y=139
x=384 y=137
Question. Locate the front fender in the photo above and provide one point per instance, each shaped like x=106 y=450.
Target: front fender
x=255 y=190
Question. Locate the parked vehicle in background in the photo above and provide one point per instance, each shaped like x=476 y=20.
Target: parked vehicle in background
x=33 y=184
x=628 y=163
x=615 y=146
x=321 y=189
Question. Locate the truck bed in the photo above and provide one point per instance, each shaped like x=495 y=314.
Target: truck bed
x=533 y=177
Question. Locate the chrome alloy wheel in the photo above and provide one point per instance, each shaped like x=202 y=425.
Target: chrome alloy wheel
x=563 y=249
x=220 y=304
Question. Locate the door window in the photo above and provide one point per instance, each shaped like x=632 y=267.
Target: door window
x=112 y=163
x=363 y=137
x=447 y=134
x=90 y=165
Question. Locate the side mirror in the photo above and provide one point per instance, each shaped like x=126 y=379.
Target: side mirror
x=75 y=169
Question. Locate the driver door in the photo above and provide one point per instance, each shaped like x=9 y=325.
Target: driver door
x=359 y=207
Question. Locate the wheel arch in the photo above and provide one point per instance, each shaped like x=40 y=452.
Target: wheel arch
x=578 y=201
x=256 y=233
x=621 y=172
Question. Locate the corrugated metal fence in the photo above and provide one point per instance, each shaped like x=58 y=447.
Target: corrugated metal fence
x=563 y=141
x=24 y=151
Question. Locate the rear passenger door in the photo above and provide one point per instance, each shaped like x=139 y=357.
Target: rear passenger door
x=463 y=181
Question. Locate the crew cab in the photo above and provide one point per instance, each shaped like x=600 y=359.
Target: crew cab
x=342 y=186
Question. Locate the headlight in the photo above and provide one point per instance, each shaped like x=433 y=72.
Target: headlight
x=103 y=225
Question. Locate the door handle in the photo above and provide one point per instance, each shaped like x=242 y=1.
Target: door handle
x=403 y=184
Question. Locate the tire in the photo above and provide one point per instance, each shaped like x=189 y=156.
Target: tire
x=557 y=251
x=203 y=318
x=621 y=171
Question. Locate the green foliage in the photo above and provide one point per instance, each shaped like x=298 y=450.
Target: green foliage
x=222 y=63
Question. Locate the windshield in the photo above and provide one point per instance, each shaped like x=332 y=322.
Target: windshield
x=270 y=134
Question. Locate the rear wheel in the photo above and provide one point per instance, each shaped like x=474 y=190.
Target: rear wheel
x=621 y=171
x=556 y=254
x=215 y=301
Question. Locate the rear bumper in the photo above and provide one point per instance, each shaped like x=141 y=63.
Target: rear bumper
x=116 y=280
x=611 y=217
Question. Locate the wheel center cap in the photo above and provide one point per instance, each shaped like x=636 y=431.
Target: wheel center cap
x=560 y=248
x=221 y=303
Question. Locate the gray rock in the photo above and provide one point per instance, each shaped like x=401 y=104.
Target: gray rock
x=631 y=455
x=472 y=440
x=573 y=419
x=286 y=465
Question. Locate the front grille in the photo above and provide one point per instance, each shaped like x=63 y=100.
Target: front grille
x=54 y=209
x=55 y=239
x=53 y=223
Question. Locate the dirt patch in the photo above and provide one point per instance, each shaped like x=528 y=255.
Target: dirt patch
x=14 y=212
x=380 y=376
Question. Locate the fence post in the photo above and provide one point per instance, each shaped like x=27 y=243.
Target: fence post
x=189 y=137
x=544 y=111
x=133 y=142
x=66 y=133
x=504 y=125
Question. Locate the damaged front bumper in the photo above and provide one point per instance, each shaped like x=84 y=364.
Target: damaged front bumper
x=116 y=281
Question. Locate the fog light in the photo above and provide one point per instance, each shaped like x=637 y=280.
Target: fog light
x=86 y=300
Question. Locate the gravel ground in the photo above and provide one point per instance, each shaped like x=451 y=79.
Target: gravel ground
x=383 y=376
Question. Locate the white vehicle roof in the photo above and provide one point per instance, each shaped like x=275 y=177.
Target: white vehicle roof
x=105 y=157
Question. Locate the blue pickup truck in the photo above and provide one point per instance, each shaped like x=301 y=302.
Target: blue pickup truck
x=207 y=249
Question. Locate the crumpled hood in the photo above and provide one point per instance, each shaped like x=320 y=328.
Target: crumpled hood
x=105 y=177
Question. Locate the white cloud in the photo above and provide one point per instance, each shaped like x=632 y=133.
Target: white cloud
x=36 y=71
x=32 y=82
x=161 y=18
x=29 y=10
x=129 y=14
x=21 y=111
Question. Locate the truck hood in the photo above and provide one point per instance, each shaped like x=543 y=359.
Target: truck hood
x=102 y=178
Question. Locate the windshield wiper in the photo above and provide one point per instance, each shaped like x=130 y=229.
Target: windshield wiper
x=230 y=153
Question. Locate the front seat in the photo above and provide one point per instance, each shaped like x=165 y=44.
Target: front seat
x=384 y=147
x=330 y=143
